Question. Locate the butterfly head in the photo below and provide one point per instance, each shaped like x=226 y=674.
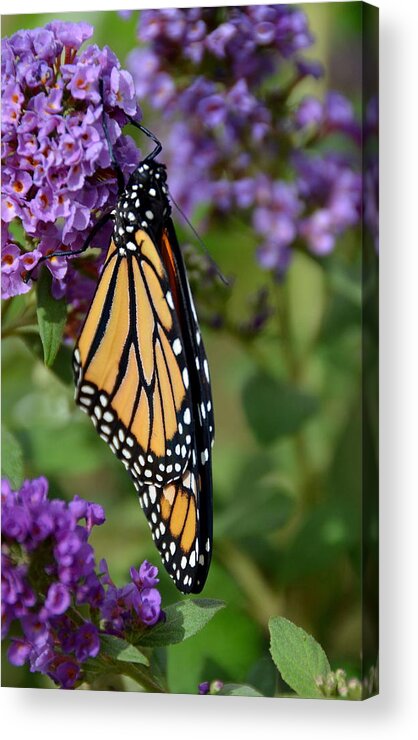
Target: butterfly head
x=144 y=204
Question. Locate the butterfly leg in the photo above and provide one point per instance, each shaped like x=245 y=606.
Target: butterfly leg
x=69 y=252
x=158 y=146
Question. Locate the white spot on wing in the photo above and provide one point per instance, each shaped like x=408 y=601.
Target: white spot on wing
x=177 y=346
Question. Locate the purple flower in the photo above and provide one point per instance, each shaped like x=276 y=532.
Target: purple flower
x=86 y=642
x=212 y=110
x=148 y=606
x=35 y=629
x=41 y=658
x=309 y=113
x=138 y=600
x=78 y=507
x=46 y=534
x=333 y=191
x=55 y=143
x=244 y=192
x=217 y=41
x=58 y=599
x=19 y=652
x=228 y=127
x=145 y=576
x=94 y=516
x=16 y=523
x=71 y=35
x=122 y=91
x=275 y=257
x=338 y=111
x=66 y=674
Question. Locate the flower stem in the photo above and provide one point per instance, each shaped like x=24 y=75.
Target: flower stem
x=263 y=600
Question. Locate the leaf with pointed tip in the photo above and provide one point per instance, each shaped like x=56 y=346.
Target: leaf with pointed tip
x=122 y=650
x=275 y=409
x=182 y=620
x=52 y=315
x=238 y=689
x=298 y=657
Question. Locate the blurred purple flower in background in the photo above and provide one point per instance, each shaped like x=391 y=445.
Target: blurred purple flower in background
x=49 y=573
x=56 y=174
x=237 y=138
x=222 y=79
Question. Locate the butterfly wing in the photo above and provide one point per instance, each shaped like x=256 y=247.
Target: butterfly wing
x=130 y=366
x=142 y=376
x=180 y=515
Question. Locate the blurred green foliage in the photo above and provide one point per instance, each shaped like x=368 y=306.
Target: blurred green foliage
x=287 y=457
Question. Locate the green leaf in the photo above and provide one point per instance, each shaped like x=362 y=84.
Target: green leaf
x=52 y=315
x=11 y=458
x=326 y=532
x=238 y=689
x=263 y=676
x=259 y=504
x=182 y=620
x=275 y=409
x=305 y=292
x=95 y=669
x=122 y=650
x=269 y=509
x=298 y=657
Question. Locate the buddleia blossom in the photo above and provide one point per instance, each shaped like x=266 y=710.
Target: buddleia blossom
x=49 y=579
x=221 y=80
x=56 y=173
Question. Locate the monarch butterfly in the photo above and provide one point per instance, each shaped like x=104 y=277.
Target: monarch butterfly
x=142 y=375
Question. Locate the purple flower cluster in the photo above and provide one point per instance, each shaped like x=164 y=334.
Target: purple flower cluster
x=332 y=192
x=48 y=575
x=56 y=174
x=245 y=39
x=122 y=607
x=221 y=79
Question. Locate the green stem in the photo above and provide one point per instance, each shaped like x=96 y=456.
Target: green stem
x=264 y=600
x=285 y=333
x=19 y=327
x=142 y=678
x=98 y=668
x=26 y=319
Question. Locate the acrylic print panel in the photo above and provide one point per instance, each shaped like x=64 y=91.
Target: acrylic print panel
x=228 y=280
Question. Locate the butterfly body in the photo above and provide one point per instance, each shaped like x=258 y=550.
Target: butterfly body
x=141 y=374
x=143 y=204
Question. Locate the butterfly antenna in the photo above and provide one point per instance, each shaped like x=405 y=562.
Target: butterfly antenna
x=201 y=242
x=115 y=164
